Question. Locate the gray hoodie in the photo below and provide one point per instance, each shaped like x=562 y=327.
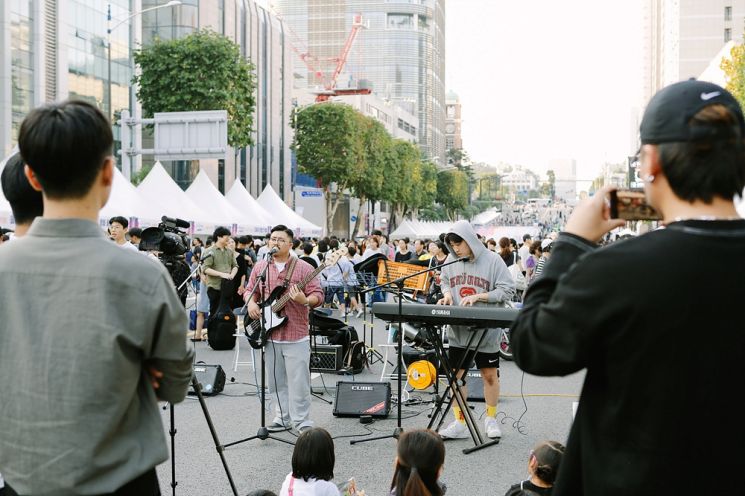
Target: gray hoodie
x=486 y=273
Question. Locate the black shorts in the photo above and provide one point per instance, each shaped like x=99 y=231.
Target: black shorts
x=483 y=360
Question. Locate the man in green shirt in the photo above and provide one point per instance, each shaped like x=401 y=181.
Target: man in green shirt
x=218 y=263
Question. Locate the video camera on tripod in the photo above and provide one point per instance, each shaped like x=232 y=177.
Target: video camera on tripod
x=169 y=242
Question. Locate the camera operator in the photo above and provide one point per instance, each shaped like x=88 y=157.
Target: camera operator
x=81 y=379
x=655 y=416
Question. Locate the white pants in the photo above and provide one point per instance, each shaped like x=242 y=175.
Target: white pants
x=288 y=378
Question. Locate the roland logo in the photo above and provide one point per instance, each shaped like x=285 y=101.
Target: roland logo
x=362 y=388
x=440 y=312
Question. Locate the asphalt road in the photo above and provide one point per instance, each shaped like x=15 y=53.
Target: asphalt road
x=543 y=407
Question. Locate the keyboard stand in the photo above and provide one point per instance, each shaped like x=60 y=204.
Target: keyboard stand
x=451 y=374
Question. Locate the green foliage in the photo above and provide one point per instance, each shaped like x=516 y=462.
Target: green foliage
x=140 y=175
x=202 y=71
x=734 y=71
x=452 y=191
x=330 y=146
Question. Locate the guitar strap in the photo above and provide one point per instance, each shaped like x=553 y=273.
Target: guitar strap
x=290 y=270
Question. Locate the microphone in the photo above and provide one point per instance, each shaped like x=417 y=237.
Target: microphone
x=272 y=251
x=175 y=221
x=206 y=256
x=464 y=259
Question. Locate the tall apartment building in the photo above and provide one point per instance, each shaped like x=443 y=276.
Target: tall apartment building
x=680 y=38
x=453 y=136
x=401 y=53
x=54 y=49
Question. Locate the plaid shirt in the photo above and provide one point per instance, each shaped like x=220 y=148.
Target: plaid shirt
x=296 y=327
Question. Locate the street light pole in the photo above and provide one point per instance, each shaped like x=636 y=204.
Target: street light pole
x=109 y=29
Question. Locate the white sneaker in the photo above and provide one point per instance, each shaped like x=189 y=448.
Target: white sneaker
x=359 y=313
x=456 y=430
x=491 y=426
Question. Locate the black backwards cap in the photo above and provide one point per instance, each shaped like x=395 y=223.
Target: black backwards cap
x=668 y=113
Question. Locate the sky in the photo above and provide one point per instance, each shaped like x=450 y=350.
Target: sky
x=545 y=79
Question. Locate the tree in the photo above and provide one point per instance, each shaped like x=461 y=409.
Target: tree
x=452 y=191
x=367 y=181
x=406 y=179
x=202 y=71
x=329 y=145
x=551 y=189
x=141 y=174
x=734 y=71
x=457 y=157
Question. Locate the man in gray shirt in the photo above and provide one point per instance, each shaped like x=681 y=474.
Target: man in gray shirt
x=81 y=378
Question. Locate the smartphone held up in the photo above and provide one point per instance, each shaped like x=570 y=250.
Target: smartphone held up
x=631 y=204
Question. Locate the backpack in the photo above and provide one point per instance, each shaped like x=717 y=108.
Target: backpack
x=356 y=358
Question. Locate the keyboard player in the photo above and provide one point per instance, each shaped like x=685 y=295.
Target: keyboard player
x=483 y=280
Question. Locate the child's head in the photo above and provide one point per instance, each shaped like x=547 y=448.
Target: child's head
x=544 y=461
x=313 y=455
x=421 y=454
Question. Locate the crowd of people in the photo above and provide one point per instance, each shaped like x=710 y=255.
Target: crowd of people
x=84 y=416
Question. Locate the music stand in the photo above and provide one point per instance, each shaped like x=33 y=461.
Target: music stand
x=367 y=270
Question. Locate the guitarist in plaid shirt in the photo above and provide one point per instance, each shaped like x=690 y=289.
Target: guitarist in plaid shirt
x=287 y=349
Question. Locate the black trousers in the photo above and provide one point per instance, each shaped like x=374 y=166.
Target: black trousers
x=144 y=485
x=214 y=297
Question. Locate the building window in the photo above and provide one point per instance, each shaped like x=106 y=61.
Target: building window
x=400 y=21
x=221 y=175
x=727 y=34
x=728 y=13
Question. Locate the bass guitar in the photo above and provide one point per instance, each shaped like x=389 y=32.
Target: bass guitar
x=272 y=307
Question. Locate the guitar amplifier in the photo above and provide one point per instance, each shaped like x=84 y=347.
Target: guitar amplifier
x=475 y=385
x=326 y=358
x=211 y=378
x=354 y=399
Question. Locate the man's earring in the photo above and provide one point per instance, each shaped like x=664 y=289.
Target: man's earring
x=649 y=178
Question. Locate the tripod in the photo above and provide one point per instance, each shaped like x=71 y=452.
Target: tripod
x=220 y=448
x=263 y=432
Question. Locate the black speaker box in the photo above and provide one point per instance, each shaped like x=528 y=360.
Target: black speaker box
x=326 y=357
x=211 y=379
x=354 y=399
x=475 y=384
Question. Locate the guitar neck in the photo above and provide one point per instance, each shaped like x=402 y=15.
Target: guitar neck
x=280 y=303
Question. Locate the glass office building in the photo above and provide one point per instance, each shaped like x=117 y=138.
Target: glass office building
x=401 y=52
x=54 y=49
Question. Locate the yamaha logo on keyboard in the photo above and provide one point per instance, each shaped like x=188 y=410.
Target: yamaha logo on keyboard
x=441 y=312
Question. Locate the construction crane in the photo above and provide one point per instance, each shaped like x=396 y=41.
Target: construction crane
x=312 y=63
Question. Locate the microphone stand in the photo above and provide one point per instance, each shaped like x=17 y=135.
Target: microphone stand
x=263 y=432
x=399 y=290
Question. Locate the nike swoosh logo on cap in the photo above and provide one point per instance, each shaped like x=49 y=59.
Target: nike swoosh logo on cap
x=709 y=96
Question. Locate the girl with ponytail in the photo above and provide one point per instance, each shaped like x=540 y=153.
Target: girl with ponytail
x=421 y=454
x=543 y=467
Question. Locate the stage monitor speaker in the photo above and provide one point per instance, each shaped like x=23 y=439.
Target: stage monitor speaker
x=475 y=384
x=326 y=358
x=211 y=379
x=354 y=399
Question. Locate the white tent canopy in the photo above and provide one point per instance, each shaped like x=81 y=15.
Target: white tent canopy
x=486 y=217
x=242 y=200
x=414 y=229
x=126 y=201
x=283 y=214
x=514 y=232
x=158 y=187
x=217 y=207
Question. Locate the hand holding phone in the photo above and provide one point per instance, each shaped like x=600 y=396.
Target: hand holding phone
x=631 y=204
